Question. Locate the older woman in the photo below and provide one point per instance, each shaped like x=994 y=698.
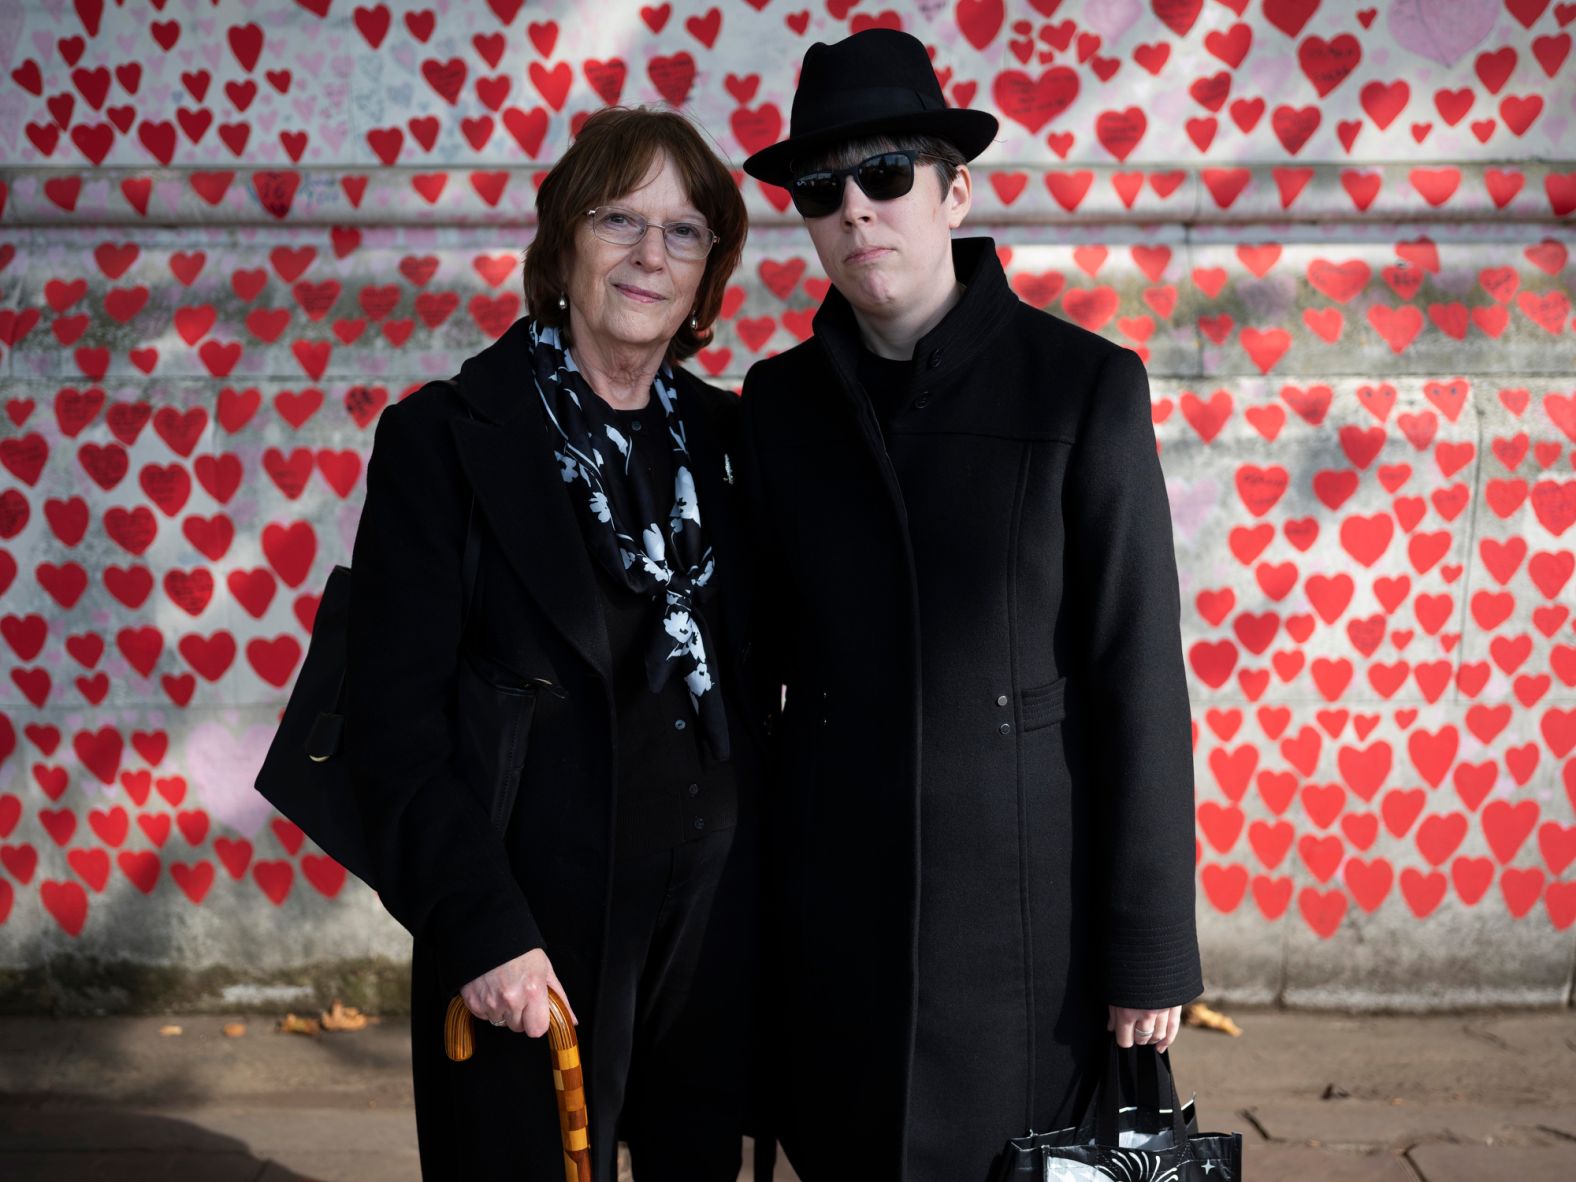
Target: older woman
x=597 y=659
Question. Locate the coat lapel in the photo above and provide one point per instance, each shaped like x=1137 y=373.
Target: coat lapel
x=508 y=458
x=521 y=495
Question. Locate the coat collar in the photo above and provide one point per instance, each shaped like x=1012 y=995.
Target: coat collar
x=942 y=353
x=507 y=454
x=495 y=381
x=949 y=347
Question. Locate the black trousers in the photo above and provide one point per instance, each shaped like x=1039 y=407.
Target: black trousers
x=670 y=1065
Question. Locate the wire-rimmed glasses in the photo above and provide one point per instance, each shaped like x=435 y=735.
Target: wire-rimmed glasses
x=690 y=241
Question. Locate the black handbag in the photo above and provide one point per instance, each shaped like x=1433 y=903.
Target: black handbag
x=305 y=775
x=1155 y=1139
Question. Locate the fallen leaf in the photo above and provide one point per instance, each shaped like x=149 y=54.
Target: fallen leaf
x=1199 y=1014
x=290 y=1024
x=170 y=1031
x=342 y=1017
x=234 y=1030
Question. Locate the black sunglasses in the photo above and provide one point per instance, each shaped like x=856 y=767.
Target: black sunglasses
x=883 y=177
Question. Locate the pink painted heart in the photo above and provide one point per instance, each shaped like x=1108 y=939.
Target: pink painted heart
x=1443 y=31
x=1192 y=504
x=1111 y=18
x=223 y=765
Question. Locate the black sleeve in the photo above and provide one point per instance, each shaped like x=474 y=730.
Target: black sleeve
x=1121 y=562
x=442 y=870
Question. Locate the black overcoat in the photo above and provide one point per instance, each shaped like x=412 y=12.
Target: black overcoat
x=535 y=624
x=983 y=826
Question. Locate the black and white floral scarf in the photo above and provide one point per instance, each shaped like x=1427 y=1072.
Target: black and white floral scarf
x=649 y=540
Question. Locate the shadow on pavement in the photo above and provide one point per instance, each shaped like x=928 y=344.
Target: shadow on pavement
x=62 y=1142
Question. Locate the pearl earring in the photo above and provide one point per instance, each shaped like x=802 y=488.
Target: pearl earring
x=695 y=323
x=562 y=303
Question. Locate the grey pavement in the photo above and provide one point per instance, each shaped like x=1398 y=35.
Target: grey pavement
x=1328 y=1098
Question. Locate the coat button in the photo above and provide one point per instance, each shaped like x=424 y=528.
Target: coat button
x=694 y=789
x=1001 y=701
x=635 y=426
x=678 y=724
x=921 y=402
x=1005 y=728
x=700 y=822
x=935 y=360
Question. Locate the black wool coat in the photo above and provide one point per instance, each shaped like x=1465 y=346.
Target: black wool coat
x=982 y=826
x=479 y=450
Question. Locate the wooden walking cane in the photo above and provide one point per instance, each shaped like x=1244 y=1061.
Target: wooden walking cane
x=568 y=1081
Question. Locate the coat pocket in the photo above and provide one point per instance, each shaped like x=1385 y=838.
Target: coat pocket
x=1044 y=705
x=494 y=709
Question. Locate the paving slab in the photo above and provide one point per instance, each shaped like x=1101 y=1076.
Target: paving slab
x=1302 y=1163
x=360 y=1166
x=279 y=1133
x=112 y=1098
x=66 y=1144
x=1527 y=1058
x=1356 y=1122
x=1492 y=1163
x=262 y=1131
x=127 y=1061
x=138 y=1167
x=268 y=1144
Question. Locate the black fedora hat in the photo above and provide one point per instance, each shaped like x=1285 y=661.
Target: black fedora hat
x=878 y=82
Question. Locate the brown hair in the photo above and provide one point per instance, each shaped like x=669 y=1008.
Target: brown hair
x=610 y=158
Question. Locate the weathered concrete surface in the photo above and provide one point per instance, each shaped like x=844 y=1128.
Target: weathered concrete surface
x=1441 y=1098
x=1357 y=317
x=74 y=984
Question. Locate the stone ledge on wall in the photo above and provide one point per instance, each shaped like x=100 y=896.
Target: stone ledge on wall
x=1445 y=191
x=388 y=306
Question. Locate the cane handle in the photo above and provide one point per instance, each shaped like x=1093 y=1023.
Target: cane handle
x=568 y=1078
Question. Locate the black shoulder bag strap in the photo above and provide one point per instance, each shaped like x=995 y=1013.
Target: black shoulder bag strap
x=325 y=735
x=471 y=562
x=473 y=555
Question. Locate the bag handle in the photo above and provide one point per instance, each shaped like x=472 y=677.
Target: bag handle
x=1157 y=1086
x=1151 y=1068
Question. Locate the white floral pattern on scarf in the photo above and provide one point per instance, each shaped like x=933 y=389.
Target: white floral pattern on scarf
x=673 y=557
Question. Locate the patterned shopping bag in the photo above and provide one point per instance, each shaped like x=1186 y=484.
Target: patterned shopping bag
x=1153 y=1140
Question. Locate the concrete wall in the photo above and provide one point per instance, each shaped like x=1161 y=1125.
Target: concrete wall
x=1338 y=233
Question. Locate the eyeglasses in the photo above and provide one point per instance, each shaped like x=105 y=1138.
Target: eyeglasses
x=883 y=177
x=689 y=241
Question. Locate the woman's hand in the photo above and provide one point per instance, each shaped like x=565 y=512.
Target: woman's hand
x=1152 y=1028
x=515 y=994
